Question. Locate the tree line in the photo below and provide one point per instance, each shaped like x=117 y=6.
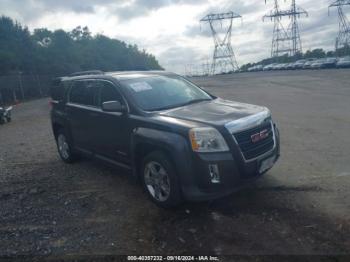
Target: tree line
x=58 y=53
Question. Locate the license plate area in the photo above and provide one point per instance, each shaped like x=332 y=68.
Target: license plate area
x=267 y=164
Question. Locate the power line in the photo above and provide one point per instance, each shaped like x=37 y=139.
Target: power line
x=285 y=41
x=343 y=38
x=224 y=59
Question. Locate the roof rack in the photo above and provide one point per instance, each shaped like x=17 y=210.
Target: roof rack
x=86 y=73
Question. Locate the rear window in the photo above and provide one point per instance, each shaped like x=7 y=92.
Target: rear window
x=58 y=89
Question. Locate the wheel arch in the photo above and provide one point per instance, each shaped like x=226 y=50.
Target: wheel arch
x=56 y=127
x=173 y=145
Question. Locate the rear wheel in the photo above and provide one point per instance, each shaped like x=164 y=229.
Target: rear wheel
x=160 y=180
x=64 y=148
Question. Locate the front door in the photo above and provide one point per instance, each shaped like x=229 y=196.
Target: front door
x=111 y=132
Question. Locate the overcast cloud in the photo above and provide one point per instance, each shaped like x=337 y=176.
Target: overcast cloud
x=170 y=29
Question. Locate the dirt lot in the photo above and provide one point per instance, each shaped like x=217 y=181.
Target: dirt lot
x=302 y=206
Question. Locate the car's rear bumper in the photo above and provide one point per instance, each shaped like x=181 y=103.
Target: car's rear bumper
x=234 y=174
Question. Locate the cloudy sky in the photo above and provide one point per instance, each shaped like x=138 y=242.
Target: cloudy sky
x=170 y=29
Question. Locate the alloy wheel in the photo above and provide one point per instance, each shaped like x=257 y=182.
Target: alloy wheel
x=63 y=146
x=157 y=181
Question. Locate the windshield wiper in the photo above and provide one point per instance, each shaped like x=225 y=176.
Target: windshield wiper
x=196 y=101
x=180 y=105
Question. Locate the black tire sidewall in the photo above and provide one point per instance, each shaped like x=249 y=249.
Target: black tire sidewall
x=71 y=157
x=175 y=197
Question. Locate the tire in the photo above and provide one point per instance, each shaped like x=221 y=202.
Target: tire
x=8 y=119
x=162 y=183
x=64 y=148
x=2 y=120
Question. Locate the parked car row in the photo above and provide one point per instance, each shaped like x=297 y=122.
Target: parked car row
x=313 y=63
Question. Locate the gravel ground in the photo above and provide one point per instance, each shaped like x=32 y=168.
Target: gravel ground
x=301 y=207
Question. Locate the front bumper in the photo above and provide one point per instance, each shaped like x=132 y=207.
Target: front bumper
x=234 y=172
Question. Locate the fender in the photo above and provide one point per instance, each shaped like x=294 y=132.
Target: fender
x=175 y=144
x=59 y=117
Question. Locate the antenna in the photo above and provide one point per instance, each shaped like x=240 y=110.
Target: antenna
x=224 y=59
x=343 y=38
x=285 y=41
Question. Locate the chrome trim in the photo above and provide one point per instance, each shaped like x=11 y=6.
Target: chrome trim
x=101 y=80
x=87 y=107
x=250 y=122
x=93 y=109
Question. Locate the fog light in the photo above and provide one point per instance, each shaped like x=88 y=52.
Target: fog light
x=214 y=174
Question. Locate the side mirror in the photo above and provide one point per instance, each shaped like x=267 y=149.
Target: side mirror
x=113 y=106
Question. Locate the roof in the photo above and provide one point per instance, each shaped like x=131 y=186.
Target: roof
x=125 y=75
x=119 y=75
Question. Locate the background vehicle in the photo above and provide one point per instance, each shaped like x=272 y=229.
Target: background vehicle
x=251 y=69
x=275 y=67
x=180 y=141
x=289 y=66
x=5 y=114
x=308 y=64
x=318 y=64
x=269 y=67
x=343 y=62
x=255 y=68
x=331 y=62
x=279 y=67
x=299 y=64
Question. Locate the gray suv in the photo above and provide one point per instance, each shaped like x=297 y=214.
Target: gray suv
x=180 y=141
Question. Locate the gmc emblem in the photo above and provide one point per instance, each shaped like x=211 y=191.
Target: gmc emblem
x=260 y=136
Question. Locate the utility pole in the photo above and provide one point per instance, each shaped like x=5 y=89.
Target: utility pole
x=223 y=51
x=343 y=38
x=294 y=29
x=285 y=41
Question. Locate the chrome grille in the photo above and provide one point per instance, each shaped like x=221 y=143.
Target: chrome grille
x=250 y=149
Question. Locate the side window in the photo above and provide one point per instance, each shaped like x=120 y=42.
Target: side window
x=91 y=91
x=84 y=93
x=57 y=91
x=77 y=92
x=108 y=93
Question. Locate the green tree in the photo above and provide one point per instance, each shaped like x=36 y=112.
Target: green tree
x=60 y=53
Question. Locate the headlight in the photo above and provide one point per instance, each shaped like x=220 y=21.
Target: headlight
x=207 y=139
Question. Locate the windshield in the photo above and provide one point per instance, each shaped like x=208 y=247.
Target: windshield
x=155 y=93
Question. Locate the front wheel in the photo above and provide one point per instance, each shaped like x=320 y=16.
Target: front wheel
x=160 y=180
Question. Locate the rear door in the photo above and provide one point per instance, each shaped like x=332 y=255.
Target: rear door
x=81 y=111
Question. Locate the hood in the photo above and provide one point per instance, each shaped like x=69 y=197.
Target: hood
x=215 y=112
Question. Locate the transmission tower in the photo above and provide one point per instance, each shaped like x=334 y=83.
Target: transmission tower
x=343 y=38
x=286 y=41
x=224 y=59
